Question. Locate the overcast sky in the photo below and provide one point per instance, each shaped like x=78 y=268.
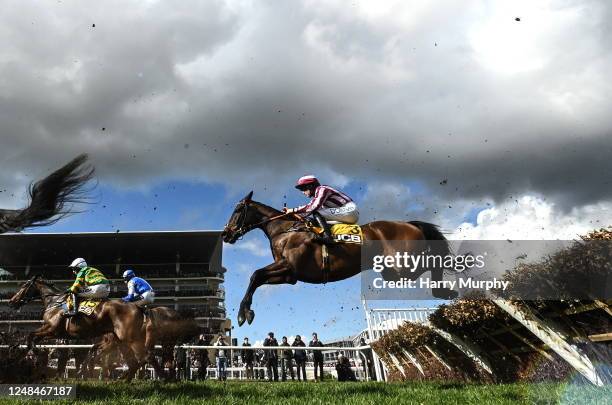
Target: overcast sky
x=490 y=118
x=495 y=100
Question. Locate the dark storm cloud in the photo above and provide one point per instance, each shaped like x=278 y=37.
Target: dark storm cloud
x=256 y=94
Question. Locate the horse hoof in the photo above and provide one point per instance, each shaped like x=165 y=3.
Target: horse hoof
x=250 y=315
x=240 y=320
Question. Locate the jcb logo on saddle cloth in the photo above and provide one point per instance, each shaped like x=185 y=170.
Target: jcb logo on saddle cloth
x=346 y=233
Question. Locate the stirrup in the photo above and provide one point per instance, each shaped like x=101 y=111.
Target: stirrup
x=326 y=237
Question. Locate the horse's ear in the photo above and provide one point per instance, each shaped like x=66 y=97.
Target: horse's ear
x=248 y=196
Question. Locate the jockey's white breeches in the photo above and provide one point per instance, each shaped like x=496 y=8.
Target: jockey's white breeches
x=95 y=291
x=147 y=297
x=348 y=213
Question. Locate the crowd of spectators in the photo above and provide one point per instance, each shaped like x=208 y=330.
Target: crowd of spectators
x=259 y=364
x=293 y=357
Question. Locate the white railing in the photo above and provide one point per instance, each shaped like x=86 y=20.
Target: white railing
x=381 y=321
x=240 y=372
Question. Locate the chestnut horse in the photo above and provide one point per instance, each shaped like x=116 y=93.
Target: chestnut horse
x=125 y=321
x=164 y=326
x=298 y=255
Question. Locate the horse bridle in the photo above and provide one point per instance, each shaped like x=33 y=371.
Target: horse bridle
x=243 y=229
x=26 y=299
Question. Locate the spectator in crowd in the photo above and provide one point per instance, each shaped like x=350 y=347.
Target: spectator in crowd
x=221 y=359
x=286 y=360
x=202 y=358
x=271 y=357
x=369 y=363
x=80 y=359
x=260 y=360
x=179 y=363
x=317 y=356
x=300 y=357
x=343 y=368
x=247 y=357
x=62 y=356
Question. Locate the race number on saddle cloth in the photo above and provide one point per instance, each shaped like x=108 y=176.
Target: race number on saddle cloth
x=86 y=307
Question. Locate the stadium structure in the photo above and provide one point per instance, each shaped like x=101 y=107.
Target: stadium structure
x=184 y=268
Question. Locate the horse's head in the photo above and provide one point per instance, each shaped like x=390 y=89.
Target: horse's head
x=241 y=221
x=26 y=293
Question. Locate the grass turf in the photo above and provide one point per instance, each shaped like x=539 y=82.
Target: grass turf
x=234 y=392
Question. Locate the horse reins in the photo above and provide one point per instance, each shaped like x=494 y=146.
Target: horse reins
x=243 y=229
x=27 y=300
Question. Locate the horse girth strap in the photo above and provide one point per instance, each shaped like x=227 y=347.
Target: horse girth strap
x=325 y=267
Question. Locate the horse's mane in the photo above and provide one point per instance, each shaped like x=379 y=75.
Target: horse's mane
x=266 y=207
x=48 y=284
x=273 y=211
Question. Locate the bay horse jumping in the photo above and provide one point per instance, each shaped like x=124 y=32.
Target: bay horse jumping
x=298 y=255
x=125 y=321
x=51 y=198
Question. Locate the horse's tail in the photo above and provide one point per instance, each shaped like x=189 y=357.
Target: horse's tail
x=53 y=197
x=440 y=248
x=433 y=232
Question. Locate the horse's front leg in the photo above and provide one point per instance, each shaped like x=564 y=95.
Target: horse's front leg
x=44 y=331
x=275 y=273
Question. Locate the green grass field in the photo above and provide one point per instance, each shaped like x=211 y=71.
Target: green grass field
x=233 y=392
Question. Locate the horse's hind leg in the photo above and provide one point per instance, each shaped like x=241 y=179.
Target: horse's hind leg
x=128 y=357
x=133 y=364
x=143 y=356
x=101 y=353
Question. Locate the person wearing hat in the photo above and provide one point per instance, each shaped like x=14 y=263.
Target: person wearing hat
x=326 y=204
x=271 y=357
x=89 y=283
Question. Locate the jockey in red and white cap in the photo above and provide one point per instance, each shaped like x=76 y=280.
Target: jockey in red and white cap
x=326 y=204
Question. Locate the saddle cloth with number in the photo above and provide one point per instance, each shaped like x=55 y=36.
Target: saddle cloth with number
x=342 y=233
x=347 y=233
x=86 y=307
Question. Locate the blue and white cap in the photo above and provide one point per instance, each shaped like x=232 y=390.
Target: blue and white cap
x=128 y=274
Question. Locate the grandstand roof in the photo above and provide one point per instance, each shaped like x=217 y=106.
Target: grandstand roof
x=59 y=249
